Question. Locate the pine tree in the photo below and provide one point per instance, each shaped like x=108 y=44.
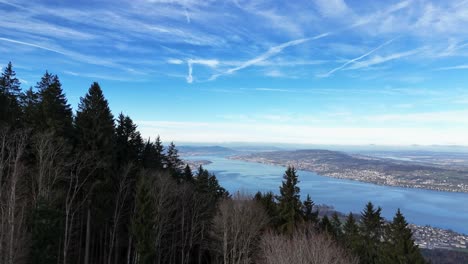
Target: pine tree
x=326 y=226
x=153 y=155
x=55 y=112
x=267 y=200
x=95 y=125
x=187 y=175
x=143 y=222
x=351 y=235
x=129 y=144
x=30 y=105
x=336 y=224
x=10 y=91
x=173 y=161
x=401 y=248
x=308 y=211
x=372 y=233
x=289 y=202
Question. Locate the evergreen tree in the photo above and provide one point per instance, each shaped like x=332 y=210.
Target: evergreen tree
x=401 y=248
x=10 y=91
x=173 y=161
x=143 y=222
x=153 y=155
x=95 y=126
x=289 y=202
x=129 y=144
x=326 y=226
x=308 y=211
x=267 y=200
x=351 y=235
x=336 y=224
x=55 y=112
x=207 y=184
x=30 y=108
x=187 y=175
x=372 y=233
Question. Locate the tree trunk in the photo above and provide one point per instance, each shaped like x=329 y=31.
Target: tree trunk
x=88 y=234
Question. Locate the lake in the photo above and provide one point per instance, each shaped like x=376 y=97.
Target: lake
x=423 y=207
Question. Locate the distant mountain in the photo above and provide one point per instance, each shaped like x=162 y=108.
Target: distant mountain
x=204 y=150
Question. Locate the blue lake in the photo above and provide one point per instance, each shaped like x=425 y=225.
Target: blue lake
x=423 y=207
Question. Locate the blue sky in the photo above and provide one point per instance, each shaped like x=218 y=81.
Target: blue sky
x=321 y=72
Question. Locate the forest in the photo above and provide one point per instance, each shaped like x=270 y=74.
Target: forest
x=86 y=187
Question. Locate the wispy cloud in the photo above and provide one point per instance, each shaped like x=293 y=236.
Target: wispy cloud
x=382 y=59
x=271 y=52
x=191 y=62
x=355 y=59
x=456 y=67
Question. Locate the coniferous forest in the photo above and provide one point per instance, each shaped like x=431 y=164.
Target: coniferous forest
x=85 y=187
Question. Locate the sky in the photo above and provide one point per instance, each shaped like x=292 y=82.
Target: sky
x=351 y=72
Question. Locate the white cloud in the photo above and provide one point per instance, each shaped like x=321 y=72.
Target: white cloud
x=175 y=61
x=217 y=132
x=333 y=8
x=381 y=59
x=271 y=52
x=355 y=59
x=191 y=62
x=457 y=67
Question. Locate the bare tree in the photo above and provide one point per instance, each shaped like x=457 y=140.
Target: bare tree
x=50 y=153
x=79 y=173
x=303 y=246
x=121 y=195
x=12 y=196
x=238 y=225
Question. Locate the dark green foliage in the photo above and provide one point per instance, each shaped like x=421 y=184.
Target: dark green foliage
x=289 y=203
x=10 y=91
x=351 y=236
x=129 y=144
x=267 y=200
x=336 y=224
x=46 y=229
x=29 y=102
x=326 y=226
x=153 y=155
x=400 y=244
x=207 y=183
x=308 y=211
x=54 y=112
x=372 y=234
x=173 y=162
x=95 y=125
x=143 y=222
x=187 y=175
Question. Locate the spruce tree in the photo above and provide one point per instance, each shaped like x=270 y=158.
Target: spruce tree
x=10 y=91
x=336 y=223
x=401 y=247
x=30 y=108
x=95 y=126
x=267 y=200
x=129 y=144
x=308 y=211
x=143 y=222
x=173 y=161
x=351 y=236
x=187 y=175
x=55 y=114
x=372 y=233
x=289 y=202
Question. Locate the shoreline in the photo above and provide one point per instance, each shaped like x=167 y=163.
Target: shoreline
x=338 y=175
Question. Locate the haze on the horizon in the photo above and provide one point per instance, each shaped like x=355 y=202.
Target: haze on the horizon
x=308 y=72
